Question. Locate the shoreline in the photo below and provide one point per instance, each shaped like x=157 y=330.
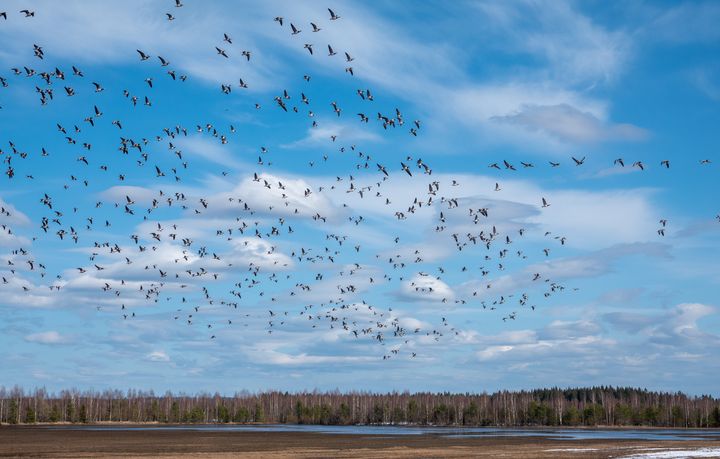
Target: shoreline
x=219 y=427
x=412 y=426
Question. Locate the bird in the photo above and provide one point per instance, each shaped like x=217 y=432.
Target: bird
x=333 y=16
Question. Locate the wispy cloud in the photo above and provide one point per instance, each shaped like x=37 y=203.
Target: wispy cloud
x=332 y=131
x=707 y=80
x=48 y=337
x=575 y=48
x=210 y=150
x=158 y=356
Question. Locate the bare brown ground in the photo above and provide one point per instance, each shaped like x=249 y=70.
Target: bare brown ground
x=66 y=443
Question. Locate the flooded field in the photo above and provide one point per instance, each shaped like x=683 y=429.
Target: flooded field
x=466 y=432
x=284 y=441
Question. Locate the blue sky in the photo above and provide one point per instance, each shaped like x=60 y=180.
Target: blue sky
x=614 y=302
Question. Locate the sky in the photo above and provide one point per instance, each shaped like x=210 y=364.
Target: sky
x=206 y=239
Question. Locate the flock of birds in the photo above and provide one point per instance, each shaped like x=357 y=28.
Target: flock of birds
x=193 y=282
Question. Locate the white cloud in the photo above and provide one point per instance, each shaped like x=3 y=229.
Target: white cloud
x=677 y=328
x=556 y=270
x=274 y=357
x=158 y=356
x=138 y=194
x=424 y=287
x=564 y=329
x=680 y=327
x=486 y=101
x=674 y=334
x=11 y=216
x=48 y=337
x=257 y=252
x=584 y=216
x=581 y=344
x=9 y=239
x=567 y=123
x=272 y=195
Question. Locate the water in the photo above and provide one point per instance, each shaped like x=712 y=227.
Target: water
x=558 y=434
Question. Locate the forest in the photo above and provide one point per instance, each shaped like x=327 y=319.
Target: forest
x=595 y=406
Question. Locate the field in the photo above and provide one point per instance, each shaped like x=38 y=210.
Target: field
x=65 y=443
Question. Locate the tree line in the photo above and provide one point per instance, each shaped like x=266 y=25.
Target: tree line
x=595 y=406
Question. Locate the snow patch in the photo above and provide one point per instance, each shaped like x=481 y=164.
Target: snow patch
x=677 y=454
